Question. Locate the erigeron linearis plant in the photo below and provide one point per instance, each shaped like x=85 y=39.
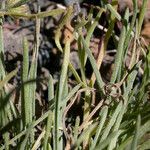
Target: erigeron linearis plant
x=119 y=124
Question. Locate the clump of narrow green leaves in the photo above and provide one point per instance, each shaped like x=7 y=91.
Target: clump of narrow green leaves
x=16 y=6
x=117 y=119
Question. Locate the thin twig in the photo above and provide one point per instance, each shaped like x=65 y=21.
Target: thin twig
x=69 y=106
x=100 y=104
